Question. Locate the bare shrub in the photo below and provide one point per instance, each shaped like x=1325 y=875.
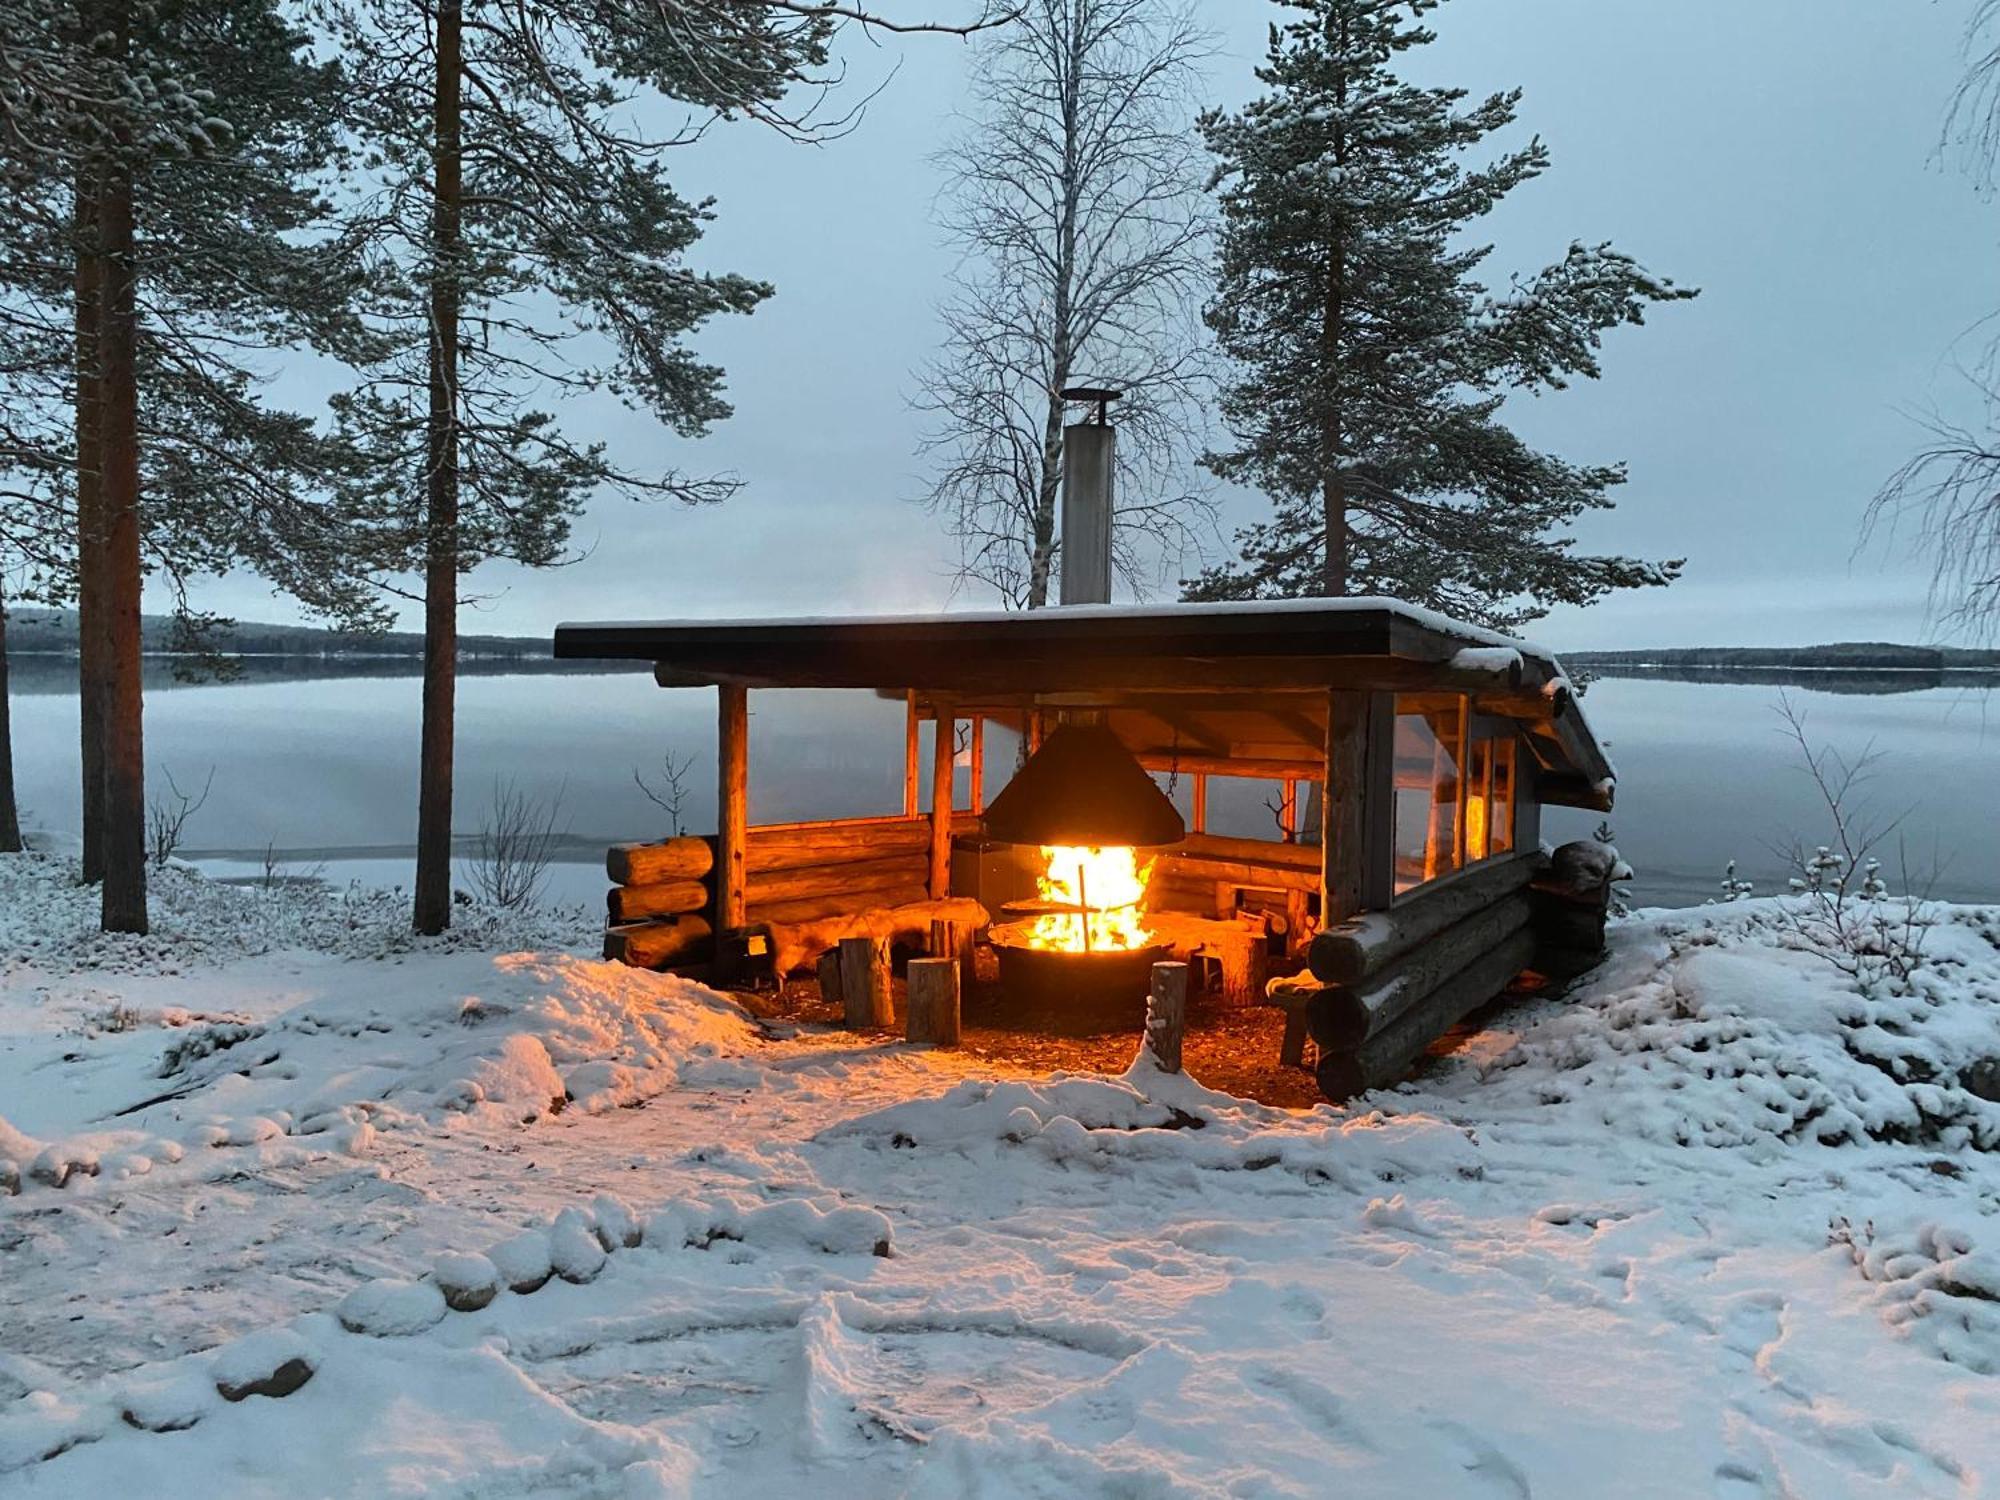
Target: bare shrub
x=278 y=871
x=670 y=795
x=517 y=844
x=167 y=817
x=1844 y=909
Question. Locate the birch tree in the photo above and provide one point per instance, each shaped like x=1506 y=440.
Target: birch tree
x=1073 y=194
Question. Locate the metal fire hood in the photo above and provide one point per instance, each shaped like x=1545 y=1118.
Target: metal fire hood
x=1083 y=789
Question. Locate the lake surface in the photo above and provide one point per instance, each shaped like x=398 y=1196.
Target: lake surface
x=324 y=767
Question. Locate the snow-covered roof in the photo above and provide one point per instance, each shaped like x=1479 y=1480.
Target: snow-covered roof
x=1258 y=646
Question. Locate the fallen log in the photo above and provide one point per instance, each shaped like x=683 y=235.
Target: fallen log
x=1385 y=1057
x=635 y=903
x=651 y=945
x=686 y=858
x=1342 y=1018
x=1352 y=952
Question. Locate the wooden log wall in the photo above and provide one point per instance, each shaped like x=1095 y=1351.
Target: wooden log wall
x=661 y=909
x=1396 y=980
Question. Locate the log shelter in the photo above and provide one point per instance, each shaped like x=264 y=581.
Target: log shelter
x=1411 y=756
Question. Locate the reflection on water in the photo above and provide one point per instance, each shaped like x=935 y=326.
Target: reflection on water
x=327 y=764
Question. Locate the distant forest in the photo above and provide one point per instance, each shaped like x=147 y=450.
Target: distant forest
x=53 y=631
x=1848 y=656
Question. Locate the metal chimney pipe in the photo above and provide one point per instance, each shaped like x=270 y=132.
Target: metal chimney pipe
x=1090 y=457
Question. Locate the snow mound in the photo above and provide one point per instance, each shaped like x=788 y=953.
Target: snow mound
x=389 y=1308
x=1721 y=1028
x=1112 y=1124
x=1934 y=1285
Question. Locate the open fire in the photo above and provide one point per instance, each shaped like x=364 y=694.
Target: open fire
x=1092 y=901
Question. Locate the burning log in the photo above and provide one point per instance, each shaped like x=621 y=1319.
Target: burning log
x=864 y=983
x=933 y=1001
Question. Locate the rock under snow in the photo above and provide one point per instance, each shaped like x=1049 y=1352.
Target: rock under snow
x=390 y=1309
x=525 y=1262
x=574 y=1250
x=468 y=1282
x=274 y=1362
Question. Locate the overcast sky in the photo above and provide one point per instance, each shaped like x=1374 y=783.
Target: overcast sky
x=1779 y=154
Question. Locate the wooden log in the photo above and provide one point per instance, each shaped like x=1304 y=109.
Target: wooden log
x=1353 y=951
x=847 y=903
x=959 y=942
x=807 y=881
x=894 y=831
x=1166 y=1015
x=1343 y=1018
x=685 y=858
x=932 y=1008
x=732 y=800
x=827 y=970
x=944 y=731
x=1343 y=807
x=1271 y=877
x=635 y=903
x=1249 y=851
x=648 y=945
x=864 y=983
x=798 y=942
x=1245 y=966
x=1386 y=1057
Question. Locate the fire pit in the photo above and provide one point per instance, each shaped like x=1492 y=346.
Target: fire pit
x=1077 y=961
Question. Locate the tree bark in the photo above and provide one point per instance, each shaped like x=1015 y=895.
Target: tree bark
x=1333 y=484
x=1061 y=335
x=90 y=638
x=433 y=880
x=124 y=901
x=10 y=812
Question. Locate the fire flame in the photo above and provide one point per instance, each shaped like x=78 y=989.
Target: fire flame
x=1108 y=888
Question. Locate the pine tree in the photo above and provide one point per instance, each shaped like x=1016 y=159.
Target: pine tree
x=1375 y=361
x=161 y=210
x=531 y=244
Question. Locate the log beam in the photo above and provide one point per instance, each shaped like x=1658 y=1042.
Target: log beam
x=732 y=742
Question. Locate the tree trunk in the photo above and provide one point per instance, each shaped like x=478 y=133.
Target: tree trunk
x=10 y=812
x=1062 y=351
x=90 y=638
x=1333 y=485
x=124 y=904
x=433 y=881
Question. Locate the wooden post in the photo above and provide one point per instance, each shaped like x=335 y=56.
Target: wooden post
x=1458 y=837
x=944 y=729
x=957 y=941
x=864 y=983
x=1200 y=822
x=910 y=757
x=932 y=1011
x=1166 y=1015
x=1288 y=809
x=1343 y=807
x=732 y=804
x=977 y=800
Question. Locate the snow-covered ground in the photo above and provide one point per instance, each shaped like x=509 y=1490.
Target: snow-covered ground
x=1719 y=1224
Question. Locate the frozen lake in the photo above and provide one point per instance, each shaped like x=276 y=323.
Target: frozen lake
x=325 y=767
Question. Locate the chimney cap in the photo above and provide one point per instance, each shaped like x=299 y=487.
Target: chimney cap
x=1097 y=393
